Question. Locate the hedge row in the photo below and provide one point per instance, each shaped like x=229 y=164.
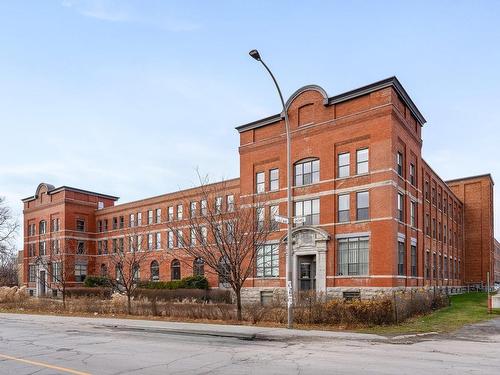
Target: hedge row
x=207 y=295
x=191 y=282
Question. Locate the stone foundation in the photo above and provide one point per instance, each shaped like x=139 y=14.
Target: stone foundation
x=256 y=295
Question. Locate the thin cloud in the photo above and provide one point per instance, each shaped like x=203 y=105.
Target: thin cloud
x=112 y=11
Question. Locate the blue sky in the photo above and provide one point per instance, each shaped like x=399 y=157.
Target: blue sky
x=129 y=97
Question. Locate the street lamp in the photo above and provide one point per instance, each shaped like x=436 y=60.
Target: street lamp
x=289 y=264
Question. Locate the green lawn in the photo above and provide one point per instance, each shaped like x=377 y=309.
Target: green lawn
x=465 y=309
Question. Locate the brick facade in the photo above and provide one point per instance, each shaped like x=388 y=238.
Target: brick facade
x=377 y=215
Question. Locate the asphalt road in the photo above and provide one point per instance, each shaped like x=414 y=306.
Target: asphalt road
x=43 y=345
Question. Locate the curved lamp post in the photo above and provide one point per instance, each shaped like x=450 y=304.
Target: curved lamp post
x=289 y=263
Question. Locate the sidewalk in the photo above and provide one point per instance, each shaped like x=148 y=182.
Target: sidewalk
x=216 y=330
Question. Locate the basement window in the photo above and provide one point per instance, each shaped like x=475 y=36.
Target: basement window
x=350 y=296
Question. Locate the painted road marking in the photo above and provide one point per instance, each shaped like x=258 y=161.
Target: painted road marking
x=46 y=365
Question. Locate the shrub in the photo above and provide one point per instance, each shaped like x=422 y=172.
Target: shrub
x=212 y=295
x=99 y=292
x=195 y=282
x=191 y=282
x=96 y=281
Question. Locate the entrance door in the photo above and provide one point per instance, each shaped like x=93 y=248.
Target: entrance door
x=307 y=273
x=42 y=284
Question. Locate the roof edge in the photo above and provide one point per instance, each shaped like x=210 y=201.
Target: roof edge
x=348 y=95
x=472 y=178
x=77 y=190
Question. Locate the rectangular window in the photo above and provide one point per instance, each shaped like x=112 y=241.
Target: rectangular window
x=158 y=240
x=427 y=265
x=115 y=245
x=179 y=212
x=120 y=244
x=362 y=205
x=170 y=239
x=401 y=205
x=105 y=247
x=132 y=220
x=150 y=217
x=343 y=208
x=56 y=272
x=122 y=222
x=260 y=215
x=434 y=196
x=42 y=248
x=180 y=238
x=440 y=202
x=400 y=163
x=192 y=237
x=43 y=227
x=413 y=178
x=204 y=235
x=309 y=210
x=413 y=214
x=343 y=164
x=80 y=272
x=434 y=265
x=192 y=209
x=158 y=215
x=32 y=273
x=413 y=255
x=445 y=232
x=80 y=225
x=401 y=258
x=171 y=213
x=427 y=225
x=267 y=261
x=445 y=268
x=99 y=225
x=80 y=247
x=353 y=256
x=55 y=225
x=218 y=205
x=426 y=190
x=307 y=173
x=230 y=203
x=99 y=247
x=260 y=182
x=362 y=161
x=274 y=179
x=150 y=241
x=115 y=223
x=273 y=212
x=203 y=207
x=434 y=227
x=55 y=247
x=105 y=225
x=139 y=218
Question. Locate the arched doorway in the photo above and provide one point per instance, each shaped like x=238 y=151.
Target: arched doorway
x=309 y=258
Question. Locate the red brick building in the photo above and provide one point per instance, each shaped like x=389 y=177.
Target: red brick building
x=377 y=215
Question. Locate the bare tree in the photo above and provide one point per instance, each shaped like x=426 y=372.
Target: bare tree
x=8 y=226
x=8 y=268
x=60 y=271
x=134 y=251
x=225 y=234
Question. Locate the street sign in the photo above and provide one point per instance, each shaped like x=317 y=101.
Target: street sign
x=299 y=220
x=281 y=219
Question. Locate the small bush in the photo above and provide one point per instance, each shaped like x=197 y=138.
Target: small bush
x=96 y=282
